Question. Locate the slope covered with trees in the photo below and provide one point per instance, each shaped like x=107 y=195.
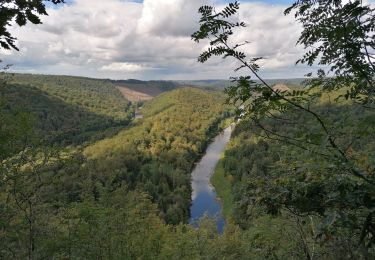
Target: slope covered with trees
x=158 y=153
x=66 y=110
x=300 y=168
x=260 y=171
x=327 y=184
x=94 y=95
x=111 y=198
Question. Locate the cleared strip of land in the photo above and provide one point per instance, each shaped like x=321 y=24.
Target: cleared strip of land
x=135 y=95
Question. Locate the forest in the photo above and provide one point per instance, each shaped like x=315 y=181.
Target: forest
x=128 y=195
x=86 y=172
x=58 y=182
x=65 y=110
x=256 y=172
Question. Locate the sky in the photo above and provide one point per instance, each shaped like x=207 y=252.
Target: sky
x=151 y=39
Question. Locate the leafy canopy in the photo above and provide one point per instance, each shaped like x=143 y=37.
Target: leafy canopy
x=20 y=11
x=338 y=36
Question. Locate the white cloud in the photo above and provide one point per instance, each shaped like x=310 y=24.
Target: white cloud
x=123 y=39
x=124 y=67
x=271 y=35
x=170 y=17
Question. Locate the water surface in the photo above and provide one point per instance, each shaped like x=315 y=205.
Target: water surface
x=138 y=113
x=204 y=198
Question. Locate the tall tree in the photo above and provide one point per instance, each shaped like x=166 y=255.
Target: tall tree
x=340 y=36
x=20 y=11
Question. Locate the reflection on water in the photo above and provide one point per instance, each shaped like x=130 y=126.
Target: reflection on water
x=204 y=199
x=138 y=115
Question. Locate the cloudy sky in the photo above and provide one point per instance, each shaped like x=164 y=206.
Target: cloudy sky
x=150 y=39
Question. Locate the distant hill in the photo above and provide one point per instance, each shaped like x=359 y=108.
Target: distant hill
x=132 y=89
x=138 y=90
x=66 y=110
x=281 y=87
x=210 y=83
x=222 y=84
x=290 y=83
x=95 y=95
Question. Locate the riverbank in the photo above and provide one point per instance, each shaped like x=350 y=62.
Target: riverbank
x=223 y=188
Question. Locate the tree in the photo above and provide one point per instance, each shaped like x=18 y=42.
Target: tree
x=21 y=11
x=339 y=36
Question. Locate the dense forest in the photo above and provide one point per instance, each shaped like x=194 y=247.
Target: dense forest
x=255 y=176
x=128 y=195
x=101 y=169
x=56 y=192
x=302 y=158
x=66 y=110
x=157 y=154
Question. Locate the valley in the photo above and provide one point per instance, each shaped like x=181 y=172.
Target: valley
x=82 y=151
x=86 y=171
x=155 y=129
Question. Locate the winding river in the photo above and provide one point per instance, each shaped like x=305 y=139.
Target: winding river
x=204 y=198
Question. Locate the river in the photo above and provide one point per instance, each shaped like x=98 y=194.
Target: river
x=137 y=113
x=204 y=198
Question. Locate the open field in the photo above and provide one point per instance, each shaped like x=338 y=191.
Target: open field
x=137 y=90
x=138 y=95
